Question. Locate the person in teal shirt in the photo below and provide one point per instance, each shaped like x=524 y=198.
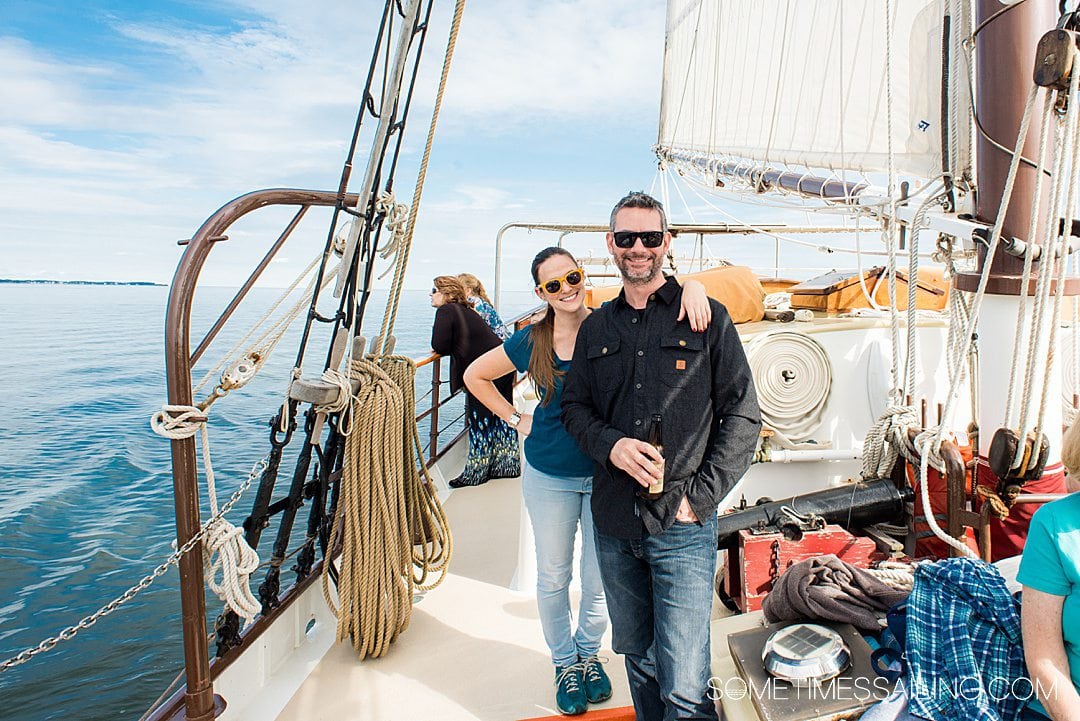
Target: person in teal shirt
x=1050 y=608
x=556 y=481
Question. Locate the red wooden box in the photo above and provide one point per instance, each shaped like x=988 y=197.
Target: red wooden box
x=761 y=557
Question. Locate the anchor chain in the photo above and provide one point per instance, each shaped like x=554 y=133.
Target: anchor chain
x=68 y=633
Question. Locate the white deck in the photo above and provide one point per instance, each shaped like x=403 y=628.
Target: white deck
x=473 y=649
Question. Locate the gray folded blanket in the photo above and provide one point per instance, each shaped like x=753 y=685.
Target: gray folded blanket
x=824 y=588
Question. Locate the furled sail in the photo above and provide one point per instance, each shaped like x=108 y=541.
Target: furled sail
x=796 y=84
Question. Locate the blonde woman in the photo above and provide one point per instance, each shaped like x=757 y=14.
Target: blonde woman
x=556 y=480
x=483 y=305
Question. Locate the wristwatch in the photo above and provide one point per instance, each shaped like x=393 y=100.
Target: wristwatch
x=514 y=419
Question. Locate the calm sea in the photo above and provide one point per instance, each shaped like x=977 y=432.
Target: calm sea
x=86 y=506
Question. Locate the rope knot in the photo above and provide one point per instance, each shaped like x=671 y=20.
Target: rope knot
x=344 y=397
x=887 y=439
x=998 y=507
x=235 y=558
x=178 y=422
x=236 y=561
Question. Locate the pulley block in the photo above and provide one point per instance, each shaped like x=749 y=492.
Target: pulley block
x=1003 y=447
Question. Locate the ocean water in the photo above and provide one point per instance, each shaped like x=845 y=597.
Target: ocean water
x=86 y=506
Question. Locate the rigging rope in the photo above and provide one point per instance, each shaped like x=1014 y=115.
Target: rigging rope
x=1057 y=245
x=374 y=585
x=402 y=254
x=900 y=576
x=886 y=439
x=389 y=520
x=1036 y=367
x=234 y=557
x=265 y=343
x=926 y=444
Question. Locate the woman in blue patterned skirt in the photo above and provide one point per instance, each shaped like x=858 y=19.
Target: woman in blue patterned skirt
x=463 y=335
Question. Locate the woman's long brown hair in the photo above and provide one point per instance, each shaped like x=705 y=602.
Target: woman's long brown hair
x=542 y=368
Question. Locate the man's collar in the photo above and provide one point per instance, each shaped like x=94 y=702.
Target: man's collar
x=668 y=292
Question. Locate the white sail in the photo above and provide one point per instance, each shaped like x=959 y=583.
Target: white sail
x=802 y=84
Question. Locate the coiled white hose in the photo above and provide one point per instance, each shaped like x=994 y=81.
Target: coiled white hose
x=793 y=376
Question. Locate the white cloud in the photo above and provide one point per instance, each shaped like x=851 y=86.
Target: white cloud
x=99 y=154
x=559 y=61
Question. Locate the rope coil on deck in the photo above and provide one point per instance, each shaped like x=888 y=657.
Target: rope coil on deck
x=386 y=512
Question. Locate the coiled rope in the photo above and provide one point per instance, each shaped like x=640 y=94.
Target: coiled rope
x=224 y=547
x=886 y=439
x=389 y=519
x=898 y=575
x=793 y=377
x=384 y=509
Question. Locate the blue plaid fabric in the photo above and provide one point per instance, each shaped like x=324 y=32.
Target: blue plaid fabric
x=964 y=651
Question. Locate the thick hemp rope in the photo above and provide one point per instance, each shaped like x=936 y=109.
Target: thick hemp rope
x=235 y=558
x=432 y=541
x=385 y=512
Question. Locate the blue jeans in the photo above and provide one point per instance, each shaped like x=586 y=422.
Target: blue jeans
x=557 y=505
x=659 y=594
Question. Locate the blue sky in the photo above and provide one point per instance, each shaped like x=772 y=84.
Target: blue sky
x=124 y=124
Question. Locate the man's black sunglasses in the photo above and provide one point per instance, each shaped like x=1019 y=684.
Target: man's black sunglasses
x=649 y=238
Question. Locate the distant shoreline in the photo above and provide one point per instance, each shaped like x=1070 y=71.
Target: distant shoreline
x=80 y=282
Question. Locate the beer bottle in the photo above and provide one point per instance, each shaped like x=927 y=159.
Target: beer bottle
x=655 y=439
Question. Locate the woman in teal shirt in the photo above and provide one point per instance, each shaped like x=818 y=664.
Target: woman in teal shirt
x=556 y=481
x=1050 y=609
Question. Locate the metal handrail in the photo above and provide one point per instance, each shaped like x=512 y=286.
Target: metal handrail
x=433 y=453
x=198 y=697
x=565 y=229
x=199 y=693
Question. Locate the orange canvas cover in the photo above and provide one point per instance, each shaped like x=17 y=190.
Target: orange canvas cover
x=840 y=292
x=735 y=286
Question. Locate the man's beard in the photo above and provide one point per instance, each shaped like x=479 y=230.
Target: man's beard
x=641 y=277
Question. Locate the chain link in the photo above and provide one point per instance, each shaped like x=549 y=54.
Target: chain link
x=88 y=621
x=774 y=561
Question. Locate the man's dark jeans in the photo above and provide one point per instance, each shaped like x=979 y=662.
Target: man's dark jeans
x=659 y=595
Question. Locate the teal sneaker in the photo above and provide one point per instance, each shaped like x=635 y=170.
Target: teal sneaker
x=569 y=690
x=597 y=683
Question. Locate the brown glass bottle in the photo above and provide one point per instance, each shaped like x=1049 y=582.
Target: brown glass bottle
x=656 y=440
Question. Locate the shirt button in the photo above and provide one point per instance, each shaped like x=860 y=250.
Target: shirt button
x=682 y=342
x=652 y=297
x=604 y=349
x=641 y=352
x=633 y=320
x=637 y=422
x=637 y=386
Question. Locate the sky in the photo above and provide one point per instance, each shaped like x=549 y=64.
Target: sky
x=124 y=124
